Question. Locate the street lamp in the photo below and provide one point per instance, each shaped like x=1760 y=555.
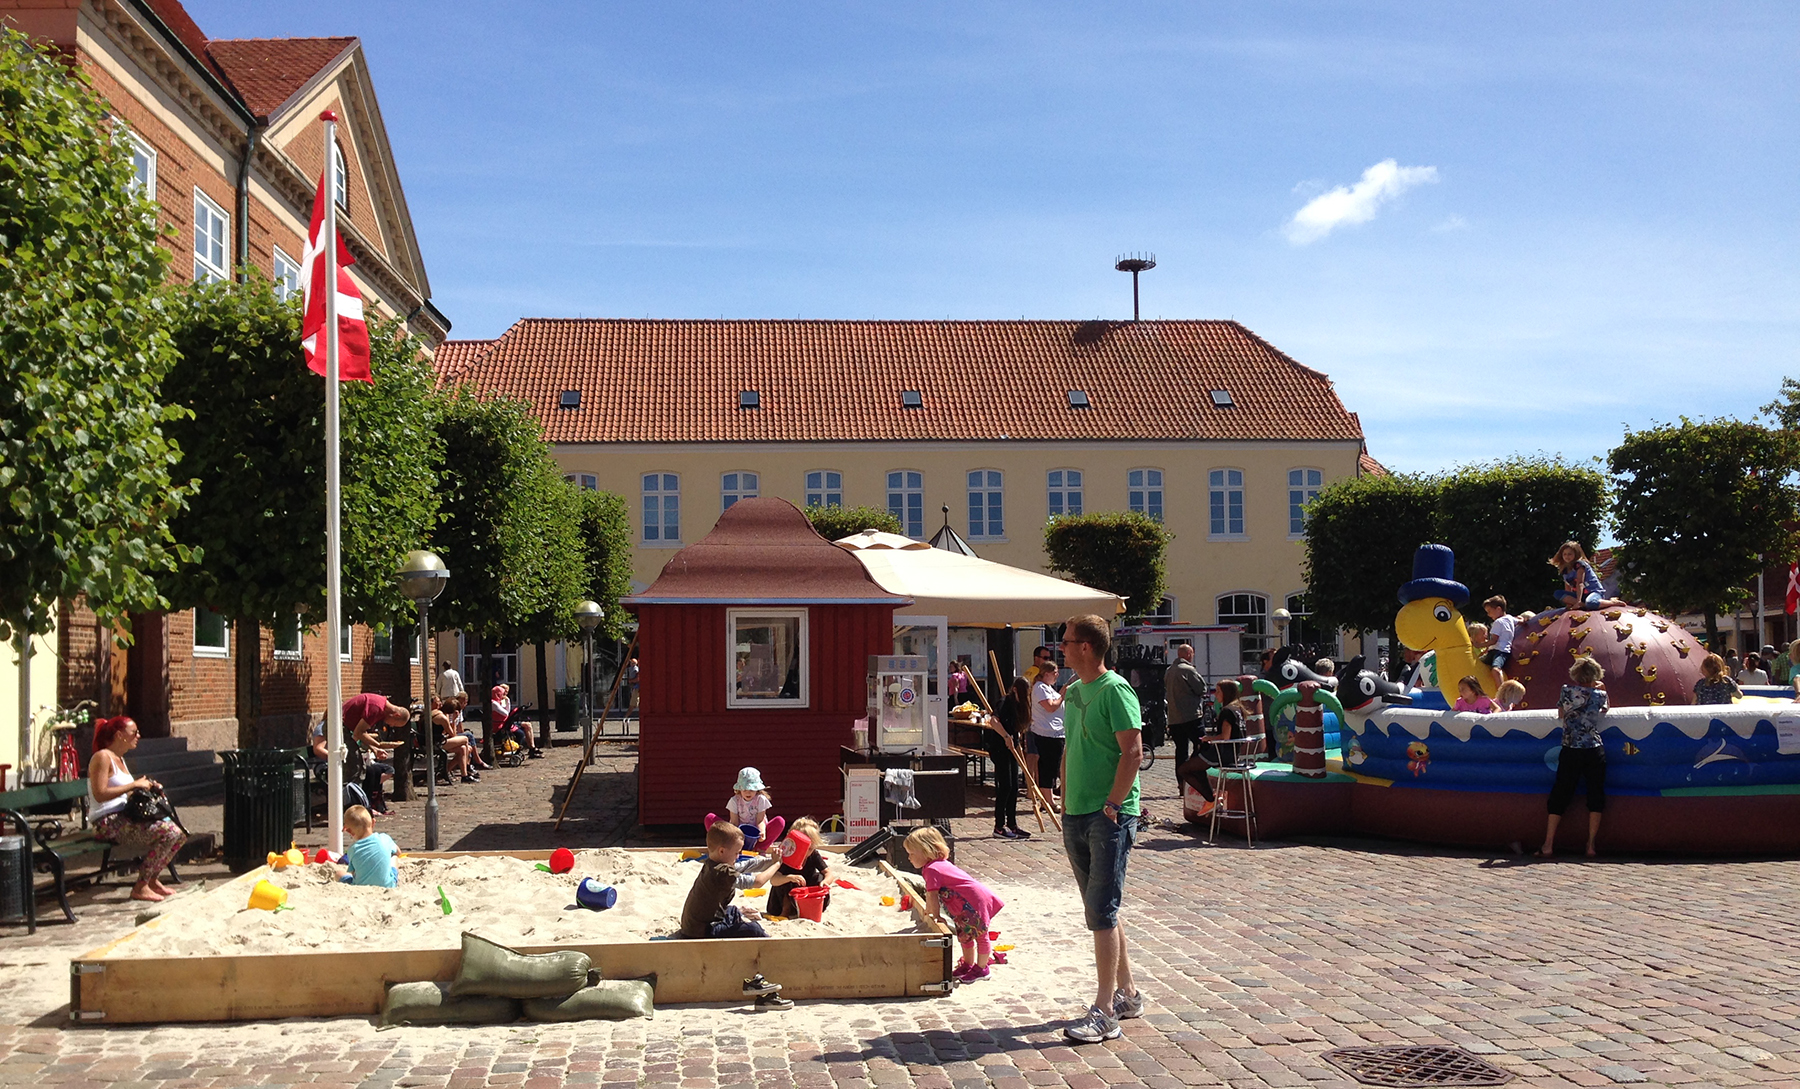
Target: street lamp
x=422 y=577
x=1282 y=617
x=588 y=614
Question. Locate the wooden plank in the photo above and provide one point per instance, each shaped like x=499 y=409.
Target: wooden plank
x=111 y=986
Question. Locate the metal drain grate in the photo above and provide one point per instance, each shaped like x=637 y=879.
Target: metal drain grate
x=1415 y=1066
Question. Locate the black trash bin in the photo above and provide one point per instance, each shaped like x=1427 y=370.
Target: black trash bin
x=15 y=879
x=259 y=805
x=568 y=710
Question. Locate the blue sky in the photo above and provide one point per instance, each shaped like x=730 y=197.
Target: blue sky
x=1501 y=229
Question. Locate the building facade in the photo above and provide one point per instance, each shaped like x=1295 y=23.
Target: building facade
x=225 y=138
x=1200 y=424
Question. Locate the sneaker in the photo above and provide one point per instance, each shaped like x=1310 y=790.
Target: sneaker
x=757 y=986
x=468 y=779
x=1125 y=1006
x=1019 y=833
x=1096 y=1026
x=535 y=754
x=969 y=974
x=773 y=1002
x=1002 y=833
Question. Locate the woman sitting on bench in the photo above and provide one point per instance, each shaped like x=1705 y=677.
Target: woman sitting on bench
x=109 y=787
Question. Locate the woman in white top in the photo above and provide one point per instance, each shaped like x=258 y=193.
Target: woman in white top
x=1046 y=728
x=1753 y=672
x=110 y=783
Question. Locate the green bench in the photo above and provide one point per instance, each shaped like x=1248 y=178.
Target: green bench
x=53 y=819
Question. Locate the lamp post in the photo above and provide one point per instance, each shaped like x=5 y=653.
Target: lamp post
x=1282 y=617
x=422 y=577
x=588 y=614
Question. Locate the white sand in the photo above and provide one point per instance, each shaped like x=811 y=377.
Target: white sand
x=506 y=899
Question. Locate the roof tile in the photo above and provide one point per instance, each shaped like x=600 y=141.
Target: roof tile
x=266 y=72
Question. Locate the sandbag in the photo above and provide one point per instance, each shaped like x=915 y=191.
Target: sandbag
x=489 y=968
x=600 y=1000
x=432 y=1003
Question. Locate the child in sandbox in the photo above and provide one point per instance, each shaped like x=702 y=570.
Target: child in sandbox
x=370 y=858
x=709 y=912
x=749 y=810
x=949 y=890
x=809 y=872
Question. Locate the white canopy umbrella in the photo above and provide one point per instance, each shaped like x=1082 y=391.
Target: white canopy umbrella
x=968 y=590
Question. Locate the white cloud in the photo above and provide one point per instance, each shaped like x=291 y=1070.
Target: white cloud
x=1451 y=223
x=1356 y=203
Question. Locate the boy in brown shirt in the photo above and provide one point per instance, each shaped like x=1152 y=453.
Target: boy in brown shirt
x=709 y=912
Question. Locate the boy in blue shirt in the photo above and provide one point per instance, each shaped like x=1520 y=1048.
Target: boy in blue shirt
x=369 y=860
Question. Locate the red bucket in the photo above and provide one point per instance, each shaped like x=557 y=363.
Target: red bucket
x=810 y=902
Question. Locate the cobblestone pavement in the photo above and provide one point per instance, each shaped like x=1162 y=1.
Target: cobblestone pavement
x=1647 y=971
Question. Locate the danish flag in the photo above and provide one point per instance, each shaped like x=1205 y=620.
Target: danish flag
x=1793 y=594
x=353 y=331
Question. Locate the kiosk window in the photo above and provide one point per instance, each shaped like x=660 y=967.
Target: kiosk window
x=768 y=658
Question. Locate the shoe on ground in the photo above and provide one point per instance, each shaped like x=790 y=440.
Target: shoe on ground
x=1004 y=833
x=1125 y=1006
x=536 y=754
x=773 y=1002
x=1019 y=833
x=1095 y=1027
x=757 y=986
x=468 y=779
x=969 y=973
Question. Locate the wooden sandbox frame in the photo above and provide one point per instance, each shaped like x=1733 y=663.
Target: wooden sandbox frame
x=108 y=985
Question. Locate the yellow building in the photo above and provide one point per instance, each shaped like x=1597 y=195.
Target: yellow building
x=1200 y=423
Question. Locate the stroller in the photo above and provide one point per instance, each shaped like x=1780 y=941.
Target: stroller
x=512 y=739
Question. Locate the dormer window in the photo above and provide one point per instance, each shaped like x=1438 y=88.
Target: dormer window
x=1221 y=398
x=749 y=398
x=1078 y=399
x=911 y=398
x=571 y=398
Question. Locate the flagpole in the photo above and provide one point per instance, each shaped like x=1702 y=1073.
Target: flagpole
x=334 y=620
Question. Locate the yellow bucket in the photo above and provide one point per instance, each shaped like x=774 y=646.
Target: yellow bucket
x=267 y=896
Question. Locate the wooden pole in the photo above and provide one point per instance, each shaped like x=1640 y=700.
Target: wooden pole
x=599 y=728
x=1033 y=791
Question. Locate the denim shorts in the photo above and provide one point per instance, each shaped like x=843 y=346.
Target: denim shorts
x=1098 y=848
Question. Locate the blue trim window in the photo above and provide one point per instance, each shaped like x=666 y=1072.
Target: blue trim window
x=1065 y=491
x=1225 y=502
x=662 y=507
x=906 y=500
x=736 y=486
x=1144 y=492
x=824 y=488
x=986 y=519
x=1303 y=488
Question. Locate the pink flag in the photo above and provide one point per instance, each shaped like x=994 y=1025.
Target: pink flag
x=353 y=332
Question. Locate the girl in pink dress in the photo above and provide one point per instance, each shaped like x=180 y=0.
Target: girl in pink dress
x=950 y=891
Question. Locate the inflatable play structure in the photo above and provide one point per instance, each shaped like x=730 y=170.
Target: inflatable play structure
x=1713 y=779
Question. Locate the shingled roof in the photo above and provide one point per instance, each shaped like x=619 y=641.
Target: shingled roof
x=267 y=72
x=822 y=381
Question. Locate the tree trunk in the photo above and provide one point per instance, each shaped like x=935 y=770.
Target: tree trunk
x=1712 y=630
x=543 y=687
x=249 y=681
x=485 y=665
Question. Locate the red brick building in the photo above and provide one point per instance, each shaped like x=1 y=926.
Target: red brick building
x=226 y=140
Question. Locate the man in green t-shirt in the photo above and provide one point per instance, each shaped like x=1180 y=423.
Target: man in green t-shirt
x=1101 y=815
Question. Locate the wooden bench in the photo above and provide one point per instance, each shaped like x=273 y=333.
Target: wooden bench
x=43 y=814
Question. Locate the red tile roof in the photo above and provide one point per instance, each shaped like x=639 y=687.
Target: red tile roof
x=182 y=25
x=266 y=72
x=678 y=381
x=1368 y=466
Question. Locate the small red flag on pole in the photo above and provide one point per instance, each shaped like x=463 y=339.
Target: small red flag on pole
x=1793 y=589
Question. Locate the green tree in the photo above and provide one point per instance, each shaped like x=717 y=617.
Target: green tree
x=85 y=464
x=1504 y=520
x=1700 y=509
x=1360 y=537
x=836 y=523
x=604 y=528
x=1122 y=552
x=254 y=437
x=1785 y=408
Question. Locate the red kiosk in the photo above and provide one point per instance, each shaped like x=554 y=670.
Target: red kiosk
x=754 y=645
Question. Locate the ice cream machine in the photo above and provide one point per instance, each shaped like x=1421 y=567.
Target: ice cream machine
x=897 y=707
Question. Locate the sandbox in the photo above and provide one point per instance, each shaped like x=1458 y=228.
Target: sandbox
x=209 y=958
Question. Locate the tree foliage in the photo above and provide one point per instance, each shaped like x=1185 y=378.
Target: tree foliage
x=1504 y=521
x=1785 y=408
x=509 y=534
x=1701 y=509
x=255 y=439
x=836 y=523
x=85 y=465
x=1360 y=537
x=1122 y=552
x=603 y=526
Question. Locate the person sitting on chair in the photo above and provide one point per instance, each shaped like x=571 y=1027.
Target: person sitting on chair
x=1207 y=754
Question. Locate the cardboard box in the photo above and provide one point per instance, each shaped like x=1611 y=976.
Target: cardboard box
x=862 y=803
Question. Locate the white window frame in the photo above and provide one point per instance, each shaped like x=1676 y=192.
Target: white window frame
x=741 y=484
x=1306 y=491
x=346 y=642
x=1144 y=490
x=804 y=699
x=1174 y=611
x=1263 y=639
x=1060 y=492
x=140 y=146
x=661 y=493
x=287 y=275
x=911 y=499
x=990 y=485
x=299 y=650
x=825 y=493
x=585 y=481
x=376 y=634
x=342 y=164
x=1222 y=491
x=204 y=270
x=212 y=650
